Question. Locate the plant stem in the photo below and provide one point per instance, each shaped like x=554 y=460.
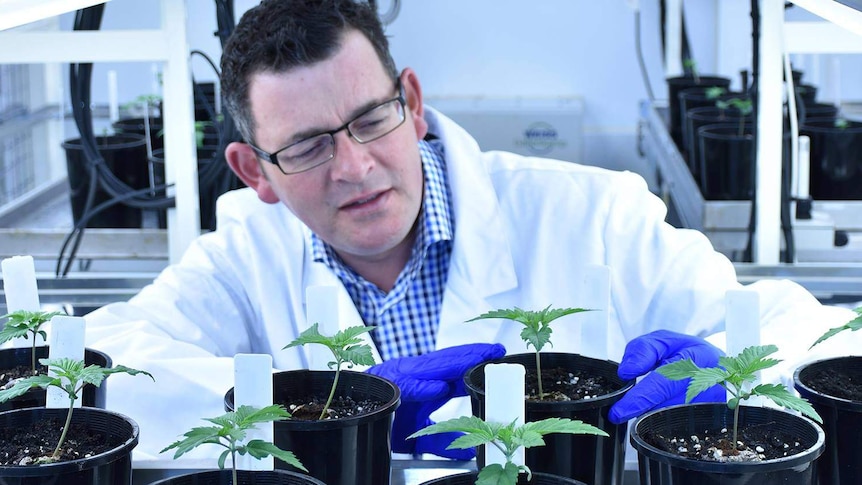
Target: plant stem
x=233 y=462
x=33 y=355
x=539 y=374
x=331 y=391
x=735 y=423
x=56 y=455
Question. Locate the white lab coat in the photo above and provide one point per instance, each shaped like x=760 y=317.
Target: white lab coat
x=524 y=230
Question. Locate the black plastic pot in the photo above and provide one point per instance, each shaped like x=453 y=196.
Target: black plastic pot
x=90 y=396
x=695 y=118
x=726 y=156
x=348 y=451
x=836 y=159
x=591 y=459
x=691 y=98
x=207 y=195
x=113 y=467
x=243 y=477
x=806 y=112
x=659 y=467
x=841 y=462
x=470 y=479
x=675 y=85
x=125 y=156
x=138 y=126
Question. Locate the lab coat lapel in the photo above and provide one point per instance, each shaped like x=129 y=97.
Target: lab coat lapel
x=481 y=265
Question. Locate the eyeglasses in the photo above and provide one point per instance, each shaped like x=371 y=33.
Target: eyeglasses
x=311 y=152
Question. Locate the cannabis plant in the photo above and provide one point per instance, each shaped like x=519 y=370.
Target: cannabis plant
x=733 y=374
x=537 y=328
x=852 y=325
x=508 y=438
x=230 y=432
x=23 y=322
x=347 y=348
x=76 y=376
x=744 y=106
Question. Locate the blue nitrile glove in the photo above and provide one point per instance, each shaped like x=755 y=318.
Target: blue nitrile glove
x=650 y=351
x=427 y=382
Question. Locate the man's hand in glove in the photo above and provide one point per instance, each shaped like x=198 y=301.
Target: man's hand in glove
x=648 y=352
x=427 y=382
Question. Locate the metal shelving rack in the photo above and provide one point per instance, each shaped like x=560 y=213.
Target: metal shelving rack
x=832 y=274
x=167 y=44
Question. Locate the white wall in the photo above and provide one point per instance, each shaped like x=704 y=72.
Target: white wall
x=506 y=48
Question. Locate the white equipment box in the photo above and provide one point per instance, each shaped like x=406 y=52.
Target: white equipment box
x=540 y=127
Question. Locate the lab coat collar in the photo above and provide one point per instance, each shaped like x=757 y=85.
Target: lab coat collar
x=482 y=264
x=481 y=256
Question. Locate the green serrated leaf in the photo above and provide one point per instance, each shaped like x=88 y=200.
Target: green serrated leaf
x=311 y=335
x=853 y=325
x=704 y=379
x=678 y=370
x=357 y=354
x=537 y=337
x=561 y=425
x=261 y=449
x=24 y=385
x=784 y=398
x=465 y=424
x=496 y=474
x=750 y=360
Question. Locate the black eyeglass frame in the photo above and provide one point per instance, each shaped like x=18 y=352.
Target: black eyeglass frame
x=272 y=157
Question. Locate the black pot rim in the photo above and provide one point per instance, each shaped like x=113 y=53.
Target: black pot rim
x=206 y=473
x=827 y=125
x=130 y=140
x=563 y=480
x=642 y=447
x=109 y=456
x=544 y=406
x=706 y=79
x=382 y=412
x=822 y=398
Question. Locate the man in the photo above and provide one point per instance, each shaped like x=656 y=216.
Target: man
x=353 y=182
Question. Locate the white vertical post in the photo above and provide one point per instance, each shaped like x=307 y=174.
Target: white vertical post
x=113 y=103
x=253 y=387
x=181 y=166
x=19 y=284
x=66 y=342
x=321 y=307
x=742 y=323
x=673 y=38
x=596 y=295
x=803 y=173
x=504 y=403
x=767 y=236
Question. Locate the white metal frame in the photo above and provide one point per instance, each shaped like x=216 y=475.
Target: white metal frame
x=840 y=32
x=168 y=45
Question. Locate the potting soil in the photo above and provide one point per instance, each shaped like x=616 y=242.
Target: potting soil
x=309 y=408
x=837 y=383
x=25 y=445
x=755 y=443
x=560 y=384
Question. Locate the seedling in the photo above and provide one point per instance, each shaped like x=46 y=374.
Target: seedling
x=230 y=432
x=71 y=376
x=714 y=92
x=690 y=65
x=23 y=322
x=347 y=348
x=506 y=438
x=842 y=123
x=733 y=373
x=852 y=325
x=744 y=106
x=537 y=329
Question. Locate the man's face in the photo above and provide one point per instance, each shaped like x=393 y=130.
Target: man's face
x=364 y=201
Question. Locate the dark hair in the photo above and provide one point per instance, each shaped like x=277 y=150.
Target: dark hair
x=278 y=35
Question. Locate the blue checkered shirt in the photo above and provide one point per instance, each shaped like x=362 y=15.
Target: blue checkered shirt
x=407 y=317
